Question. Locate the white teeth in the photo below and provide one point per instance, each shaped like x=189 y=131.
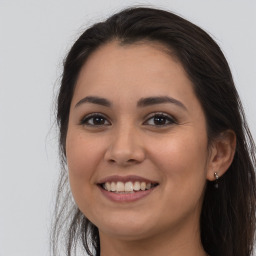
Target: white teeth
x=143 y=185
x=128 y=186
x=136 y=186
x=119 y=186
x=113 y=187
x=107 y=186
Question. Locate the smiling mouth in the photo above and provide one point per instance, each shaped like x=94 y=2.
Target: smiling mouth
x=120 y=187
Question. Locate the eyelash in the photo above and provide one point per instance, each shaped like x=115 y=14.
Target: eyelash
x=154 y=116
x=85 y=120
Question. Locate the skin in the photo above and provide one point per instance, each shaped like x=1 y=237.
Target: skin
x=129 y=142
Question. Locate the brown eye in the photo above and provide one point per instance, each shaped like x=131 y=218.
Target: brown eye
x=160 y=120
x=95 y=120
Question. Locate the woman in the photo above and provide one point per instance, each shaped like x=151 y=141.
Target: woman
x=154 y=143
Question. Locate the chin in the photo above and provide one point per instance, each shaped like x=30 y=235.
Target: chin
x=127 y=228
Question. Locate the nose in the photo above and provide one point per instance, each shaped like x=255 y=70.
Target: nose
x=125 y=148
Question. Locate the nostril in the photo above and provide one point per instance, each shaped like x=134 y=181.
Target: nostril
x=128 y=161
x=131 y=161
x=123 y=162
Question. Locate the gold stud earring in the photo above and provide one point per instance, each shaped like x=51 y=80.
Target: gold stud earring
x=216 y=185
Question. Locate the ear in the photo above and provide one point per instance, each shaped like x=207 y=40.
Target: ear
x=221 y=154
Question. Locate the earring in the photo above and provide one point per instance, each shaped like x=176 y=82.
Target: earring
x=216 y=185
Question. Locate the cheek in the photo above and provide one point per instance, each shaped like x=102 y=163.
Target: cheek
x=83 y=153
x=83 y=158
x=182 y=159
x=182 y=162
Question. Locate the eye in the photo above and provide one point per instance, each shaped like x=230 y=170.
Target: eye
x=95 y=119
x=160 y=119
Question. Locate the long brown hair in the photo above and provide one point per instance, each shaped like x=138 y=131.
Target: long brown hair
x=228 y=213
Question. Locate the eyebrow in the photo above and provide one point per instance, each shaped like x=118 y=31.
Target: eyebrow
x=143 y=102
x=94 y=100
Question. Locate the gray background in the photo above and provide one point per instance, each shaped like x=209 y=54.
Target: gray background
x=34 y=38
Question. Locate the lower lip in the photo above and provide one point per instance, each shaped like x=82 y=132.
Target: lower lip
x=129 y=197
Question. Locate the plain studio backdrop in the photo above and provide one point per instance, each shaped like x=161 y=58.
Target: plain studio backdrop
x=34 y=38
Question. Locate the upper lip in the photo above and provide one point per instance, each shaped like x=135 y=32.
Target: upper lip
x=133 y=178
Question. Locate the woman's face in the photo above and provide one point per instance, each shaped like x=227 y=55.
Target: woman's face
x=136 y=143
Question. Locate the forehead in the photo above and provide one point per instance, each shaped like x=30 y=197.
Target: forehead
x=133 y=69
x=142 y=56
